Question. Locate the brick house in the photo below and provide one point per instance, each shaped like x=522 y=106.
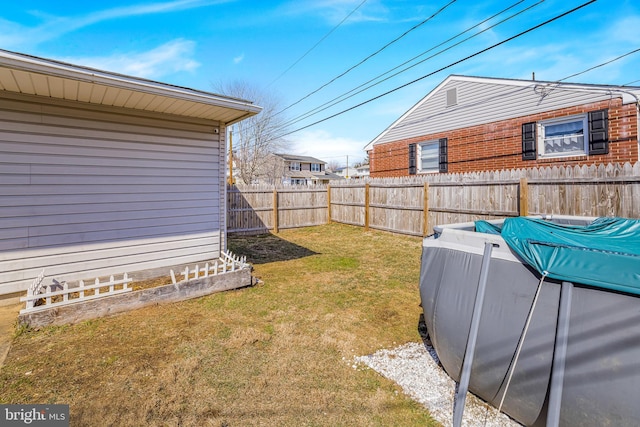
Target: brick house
x=471 y=124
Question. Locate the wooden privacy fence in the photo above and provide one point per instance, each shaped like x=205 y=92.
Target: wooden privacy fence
x=413 y=205
x=260 y=209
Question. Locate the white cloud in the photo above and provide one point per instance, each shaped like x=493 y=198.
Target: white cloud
x=238 y=59
x=16 y=36
x=626 y=30
x=169 y=58
x=325 y=146
x=335 y=11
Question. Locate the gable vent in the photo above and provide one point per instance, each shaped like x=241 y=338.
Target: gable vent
x=452 y=97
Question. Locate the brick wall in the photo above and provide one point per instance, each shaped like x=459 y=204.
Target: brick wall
x=498 y=145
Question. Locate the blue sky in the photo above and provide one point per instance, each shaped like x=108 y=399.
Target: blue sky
x=301 y=50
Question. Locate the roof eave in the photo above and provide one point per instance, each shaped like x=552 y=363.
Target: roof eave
x=63 y=70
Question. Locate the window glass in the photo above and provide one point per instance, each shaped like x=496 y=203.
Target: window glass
x=315 y=167
x=428 y=153
x=563 y=137
x=294 y=166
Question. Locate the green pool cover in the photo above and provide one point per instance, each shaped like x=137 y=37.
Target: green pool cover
x=604 y=254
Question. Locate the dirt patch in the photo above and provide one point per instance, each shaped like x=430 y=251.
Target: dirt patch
x=8 y=318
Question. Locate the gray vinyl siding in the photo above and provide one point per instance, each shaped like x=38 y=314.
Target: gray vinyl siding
x=222 y=194
x=484 y=102
x=90 y=191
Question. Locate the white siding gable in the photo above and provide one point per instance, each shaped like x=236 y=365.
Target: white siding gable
x=486 y=100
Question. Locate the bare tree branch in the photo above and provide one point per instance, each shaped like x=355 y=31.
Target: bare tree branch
x=255 y=138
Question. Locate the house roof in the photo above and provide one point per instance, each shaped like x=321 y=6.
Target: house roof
x=301 y=174
x=311 y=176
x=30 y=75
x=332 y=176
x=303 y=159
x=521 y=97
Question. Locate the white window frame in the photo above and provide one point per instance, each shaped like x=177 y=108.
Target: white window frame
x=294 y=166
x=315 y=167
x=542 y=153
x=419 y=148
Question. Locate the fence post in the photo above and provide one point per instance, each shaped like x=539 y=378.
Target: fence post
x=328 y=204
x=425 y=210
x=366 y=207
x=275 y=211
x=524 y=196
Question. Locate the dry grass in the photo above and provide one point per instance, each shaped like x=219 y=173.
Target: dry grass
x=277 y=354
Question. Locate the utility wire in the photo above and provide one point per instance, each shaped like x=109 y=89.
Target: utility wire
x=443 y=68
x=317 y=43
x=602 y=65
x=535 y=83
x=347 y=95
x=369 y=57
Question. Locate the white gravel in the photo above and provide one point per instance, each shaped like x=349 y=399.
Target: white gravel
x=415 y=367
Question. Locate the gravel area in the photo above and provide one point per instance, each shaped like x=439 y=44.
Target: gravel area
x=415 y=367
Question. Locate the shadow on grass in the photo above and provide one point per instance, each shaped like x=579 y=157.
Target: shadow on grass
x=266 y=248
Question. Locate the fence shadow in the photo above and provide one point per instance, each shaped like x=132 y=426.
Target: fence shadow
x=249 y=212
x=266 y=248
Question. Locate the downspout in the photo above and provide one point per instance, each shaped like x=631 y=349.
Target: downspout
x=637 y=104
x=223 y=182
x=637 y=119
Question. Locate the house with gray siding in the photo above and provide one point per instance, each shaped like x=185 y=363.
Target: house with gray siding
x=102 y=173
x=291 y=169
x=472 y=124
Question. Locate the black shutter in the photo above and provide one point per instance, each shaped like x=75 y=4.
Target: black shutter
x=412 y=159
x=443 y=158
x=529 y=141
x=599 y=132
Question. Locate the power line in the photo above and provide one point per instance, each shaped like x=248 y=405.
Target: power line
x=602 y=65
x=369 y=57
x=443 y=68
x=344 y=97
x=317 y=43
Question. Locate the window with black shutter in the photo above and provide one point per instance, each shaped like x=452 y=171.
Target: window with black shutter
x=529 y=141
x=443 y=159
x=599 y=132
x=412 y=159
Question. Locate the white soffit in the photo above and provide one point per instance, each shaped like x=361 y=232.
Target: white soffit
x=41 y=77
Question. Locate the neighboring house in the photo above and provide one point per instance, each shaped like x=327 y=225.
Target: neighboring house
x=469 y=124
x=102 y=173
x=358 y=172
x=302 y=170
x=362 y=171
x=347 y=172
